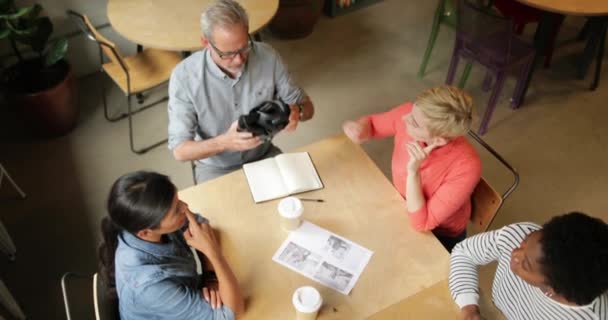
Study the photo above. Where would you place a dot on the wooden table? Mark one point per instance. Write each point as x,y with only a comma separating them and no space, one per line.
553,10
432,303
436,303
360,204
571,7
175,25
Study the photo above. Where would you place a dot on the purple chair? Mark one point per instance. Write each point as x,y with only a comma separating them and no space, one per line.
485,37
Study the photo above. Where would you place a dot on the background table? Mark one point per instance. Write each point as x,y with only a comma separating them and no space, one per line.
360,205
571,7
553,10
175,25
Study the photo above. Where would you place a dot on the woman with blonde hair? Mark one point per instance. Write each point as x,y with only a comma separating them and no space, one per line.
434,167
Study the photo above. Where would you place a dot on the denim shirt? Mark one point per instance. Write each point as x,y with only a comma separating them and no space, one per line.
159,281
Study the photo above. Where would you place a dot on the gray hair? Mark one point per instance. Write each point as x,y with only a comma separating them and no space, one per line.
222,13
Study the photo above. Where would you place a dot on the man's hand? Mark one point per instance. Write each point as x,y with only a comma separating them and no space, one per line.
417,154
357,131
470,312
294,118
238,141
201,237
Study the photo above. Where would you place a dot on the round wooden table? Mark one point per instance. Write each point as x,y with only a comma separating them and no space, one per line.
175,25
554,10
571,7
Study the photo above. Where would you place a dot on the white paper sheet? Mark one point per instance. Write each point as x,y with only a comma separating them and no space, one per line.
323,257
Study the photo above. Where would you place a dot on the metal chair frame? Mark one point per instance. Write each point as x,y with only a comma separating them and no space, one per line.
80,21
507,165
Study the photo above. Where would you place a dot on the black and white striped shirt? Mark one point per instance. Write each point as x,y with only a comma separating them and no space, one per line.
514,297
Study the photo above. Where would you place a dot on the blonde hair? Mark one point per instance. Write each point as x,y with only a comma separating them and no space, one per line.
449,110
222,13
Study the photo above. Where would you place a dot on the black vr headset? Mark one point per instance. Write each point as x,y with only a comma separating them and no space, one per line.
266,119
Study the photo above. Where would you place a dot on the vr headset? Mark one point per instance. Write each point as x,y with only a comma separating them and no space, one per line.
266,119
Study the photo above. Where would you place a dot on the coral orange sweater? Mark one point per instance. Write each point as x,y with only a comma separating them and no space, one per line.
448,175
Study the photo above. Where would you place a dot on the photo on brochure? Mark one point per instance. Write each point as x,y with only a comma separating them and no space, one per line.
337,247
300,258
333,276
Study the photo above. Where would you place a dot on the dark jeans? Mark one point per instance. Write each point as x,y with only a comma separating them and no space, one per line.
449,242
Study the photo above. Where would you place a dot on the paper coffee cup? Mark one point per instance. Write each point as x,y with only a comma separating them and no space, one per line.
290,210
307,302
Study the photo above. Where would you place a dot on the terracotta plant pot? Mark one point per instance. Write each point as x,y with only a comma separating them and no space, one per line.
296,19
51,110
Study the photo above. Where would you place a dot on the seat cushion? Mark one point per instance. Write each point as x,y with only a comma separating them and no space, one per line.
491,50
146,69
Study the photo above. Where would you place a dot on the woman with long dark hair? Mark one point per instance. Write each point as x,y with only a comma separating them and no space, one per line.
146,257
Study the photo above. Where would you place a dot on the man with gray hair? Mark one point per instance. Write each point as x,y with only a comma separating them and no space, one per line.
210,89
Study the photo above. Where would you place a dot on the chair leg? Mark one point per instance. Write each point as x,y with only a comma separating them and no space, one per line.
7,300
500,80
517,97
453,64
4,173
431,41
465,74
486,85
600,55
130,118
104,99
123,115
557,24
7,246
590,48
584,31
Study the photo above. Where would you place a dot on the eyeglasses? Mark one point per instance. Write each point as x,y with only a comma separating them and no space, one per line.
232,54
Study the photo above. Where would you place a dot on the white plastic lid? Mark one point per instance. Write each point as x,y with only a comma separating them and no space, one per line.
307,299
291,207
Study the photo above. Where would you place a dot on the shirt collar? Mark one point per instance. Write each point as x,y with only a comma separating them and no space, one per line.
150,247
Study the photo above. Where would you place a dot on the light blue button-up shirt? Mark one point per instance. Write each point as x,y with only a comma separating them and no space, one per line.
204,101
159,281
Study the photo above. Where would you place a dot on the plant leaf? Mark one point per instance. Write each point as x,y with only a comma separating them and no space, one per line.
38,39
22,33
35,12
56,52
22,12
4,33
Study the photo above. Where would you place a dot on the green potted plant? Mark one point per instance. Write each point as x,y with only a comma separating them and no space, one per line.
296,19
40,82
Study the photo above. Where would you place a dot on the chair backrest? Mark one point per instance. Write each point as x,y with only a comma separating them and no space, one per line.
485,202
106,303
108,47
483,32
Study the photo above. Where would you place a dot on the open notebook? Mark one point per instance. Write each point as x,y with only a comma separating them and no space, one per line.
283,175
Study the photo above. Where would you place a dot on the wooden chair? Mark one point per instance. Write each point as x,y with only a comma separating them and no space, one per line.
105,304
485,200
135,74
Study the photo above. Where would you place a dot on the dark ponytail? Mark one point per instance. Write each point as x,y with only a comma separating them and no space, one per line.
137,201
107,249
